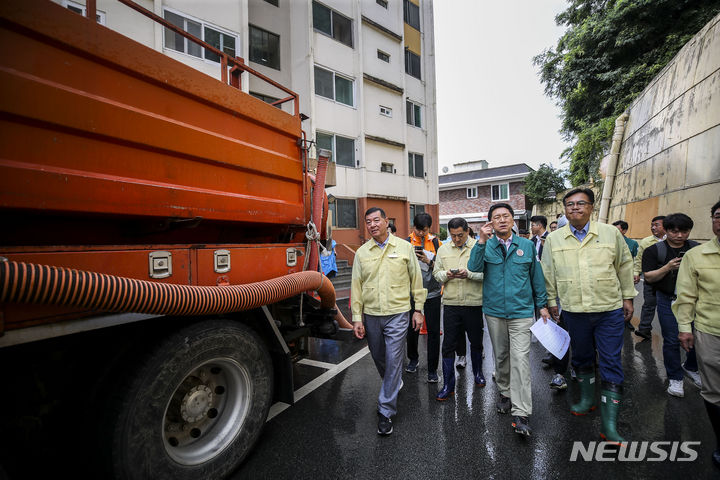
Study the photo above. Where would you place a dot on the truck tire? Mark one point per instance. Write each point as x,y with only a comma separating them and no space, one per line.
194,405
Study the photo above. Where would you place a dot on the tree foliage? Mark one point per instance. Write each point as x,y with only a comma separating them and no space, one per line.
609,53
540,182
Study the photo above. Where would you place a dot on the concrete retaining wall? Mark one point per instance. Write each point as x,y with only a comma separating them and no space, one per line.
670,156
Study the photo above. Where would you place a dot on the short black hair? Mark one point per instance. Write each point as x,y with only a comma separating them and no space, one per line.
678,221
589,193
392,228
458,222
714,208
422,220
554,221
375,209
659,217
500,205
542,219
623,224
522,231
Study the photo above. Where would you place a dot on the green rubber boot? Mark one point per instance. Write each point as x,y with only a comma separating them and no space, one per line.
586,380
610,397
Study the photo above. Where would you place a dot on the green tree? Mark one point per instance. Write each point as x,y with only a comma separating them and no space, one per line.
543,180
609,53
443,234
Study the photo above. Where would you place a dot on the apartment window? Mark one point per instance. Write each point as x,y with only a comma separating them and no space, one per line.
332,24
330,85
500,192
413,112
264,47
342,148
224,41
416,167
383,56
266,98
411,12
386,167
344,212
272,2
80,8
414,210
382,3
387,111
412,64
472,192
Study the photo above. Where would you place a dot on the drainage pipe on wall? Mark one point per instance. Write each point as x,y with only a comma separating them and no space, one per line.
617,138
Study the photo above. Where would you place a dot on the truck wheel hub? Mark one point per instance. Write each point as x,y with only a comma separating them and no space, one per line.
196,403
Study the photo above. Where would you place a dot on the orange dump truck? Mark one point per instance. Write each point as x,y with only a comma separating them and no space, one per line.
154,282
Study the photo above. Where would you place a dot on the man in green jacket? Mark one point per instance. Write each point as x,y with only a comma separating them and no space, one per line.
588,266
623,226
513,286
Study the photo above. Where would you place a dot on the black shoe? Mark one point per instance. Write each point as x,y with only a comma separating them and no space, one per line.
643,333
384,425
503,405
412,366
521,425
548,361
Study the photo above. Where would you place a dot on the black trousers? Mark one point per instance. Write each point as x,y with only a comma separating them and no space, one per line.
560,365
432,324
456,319
647,313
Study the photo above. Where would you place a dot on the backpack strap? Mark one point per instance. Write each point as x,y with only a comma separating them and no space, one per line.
662,252
436,244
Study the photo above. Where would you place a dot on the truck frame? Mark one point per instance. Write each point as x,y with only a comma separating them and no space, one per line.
158,254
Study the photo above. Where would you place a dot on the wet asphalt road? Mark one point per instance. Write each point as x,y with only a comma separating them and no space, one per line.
331,432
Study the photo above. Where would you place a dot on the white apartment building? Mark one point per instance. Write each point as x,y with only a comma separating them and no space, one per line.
365,74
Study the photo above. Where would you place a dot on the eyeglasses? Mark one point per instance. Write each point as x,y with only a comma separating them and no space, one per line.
581,204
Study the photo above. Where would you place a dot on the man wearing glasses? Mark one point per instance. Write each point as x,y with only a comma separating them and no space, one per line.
698,284
588,266
513,287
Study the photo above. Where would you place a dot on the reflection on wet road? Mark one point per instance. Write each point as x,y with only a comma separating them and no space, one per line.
331,432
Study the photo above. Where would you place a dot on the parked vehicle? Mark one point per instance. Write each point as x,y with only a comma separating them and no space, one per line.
156,281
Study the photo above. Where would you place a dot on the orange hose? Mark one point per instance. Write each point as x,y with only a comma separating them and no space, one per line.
31,283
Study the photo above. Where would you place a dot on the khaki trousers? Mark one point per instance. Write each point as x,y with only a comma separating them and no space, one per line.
510,339
707,348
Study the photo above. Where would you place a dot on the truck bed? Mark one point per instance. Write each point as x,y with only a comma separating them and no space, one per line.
94,123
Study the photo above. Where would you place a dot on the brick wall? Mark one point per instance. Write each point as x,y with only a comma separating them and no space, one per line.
455,202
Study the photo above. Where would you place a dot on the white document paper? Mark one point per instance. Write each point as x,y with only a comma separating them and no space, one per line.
552,337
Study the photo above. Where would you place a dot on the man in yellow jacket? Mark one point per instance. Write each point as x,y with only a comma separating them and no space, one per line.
588,266
385,272
697,287
462,304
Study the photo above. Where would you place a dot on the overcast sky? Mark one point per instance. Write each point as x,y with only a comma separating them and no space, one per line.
490,102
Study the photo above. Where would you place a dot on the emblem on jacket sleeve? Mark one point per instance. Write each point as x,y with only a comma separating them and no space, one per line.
520,253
